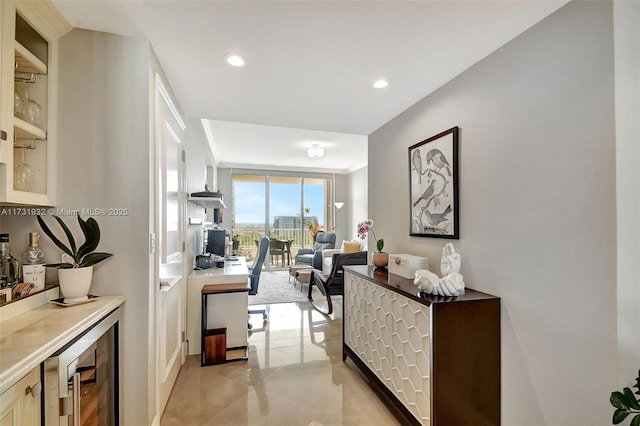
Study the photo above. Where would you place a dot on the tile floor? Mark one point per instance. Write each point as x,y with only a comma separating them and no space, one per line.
294,376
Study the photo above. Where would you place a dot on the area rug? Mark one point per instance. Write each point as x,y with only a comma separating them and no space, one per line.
277,287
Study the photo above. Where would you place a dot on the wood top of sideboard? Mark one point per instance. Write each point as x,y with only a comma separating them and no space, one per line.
405,286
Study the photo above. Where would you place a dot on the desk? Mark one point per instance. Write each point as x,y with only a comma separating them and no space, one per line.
223,309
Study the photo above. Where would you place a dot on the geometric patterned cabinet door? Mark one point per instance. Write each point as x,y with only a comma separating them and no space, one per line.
390,333
437,359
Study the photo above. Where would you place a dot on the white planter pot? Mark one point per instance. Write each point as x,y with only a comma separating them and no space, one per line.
75,283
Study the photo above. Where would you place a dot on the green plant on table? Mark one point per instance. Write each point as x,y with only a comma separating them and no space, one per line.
82,256
626,403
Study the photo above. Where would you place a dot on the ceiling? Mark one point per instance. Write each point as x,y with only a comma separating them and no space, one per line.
310,65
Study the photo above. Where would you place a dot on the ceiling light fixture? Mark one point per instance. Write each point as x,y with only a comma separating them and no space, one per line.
315,152
235,60
380,84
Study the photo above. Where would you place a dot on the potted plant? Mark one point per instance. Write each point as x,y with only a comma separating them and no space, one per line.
380,259
76,270
626,404
314,228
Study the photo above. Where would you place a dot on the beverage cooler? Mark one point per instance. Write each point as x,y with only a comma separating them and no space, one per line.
81,380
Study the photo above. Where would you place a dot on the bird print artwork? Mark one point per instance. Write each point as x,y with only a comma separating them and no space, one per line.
433,187
435,219
438,159
416,160
427,194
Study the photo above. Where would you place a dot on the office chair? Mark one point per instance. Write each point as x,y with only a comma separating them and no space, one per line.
254,274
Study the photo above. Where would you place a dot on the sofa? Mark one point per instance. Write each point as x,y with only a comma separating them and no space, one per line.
313,256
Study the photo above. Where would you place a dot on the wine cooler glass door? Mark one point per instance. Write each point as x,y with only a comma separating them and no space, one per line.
91,387
85,378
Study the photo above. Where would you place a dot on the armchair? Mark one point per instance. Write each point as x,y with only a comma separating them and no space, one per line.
333,283
313,256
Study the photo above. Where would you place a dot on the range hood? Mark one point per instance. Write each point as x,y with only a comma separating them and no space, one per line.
208,199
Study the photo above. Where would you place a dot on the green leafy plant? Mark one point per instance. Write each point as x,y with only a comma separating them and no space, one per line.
626,403
314,228
84,255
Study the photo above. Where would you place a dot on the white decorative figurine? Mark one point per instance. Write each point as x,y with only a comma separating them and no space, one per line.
451,283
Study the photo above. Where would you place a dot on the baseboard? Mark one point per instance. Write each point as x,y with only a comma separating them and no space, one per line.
156,421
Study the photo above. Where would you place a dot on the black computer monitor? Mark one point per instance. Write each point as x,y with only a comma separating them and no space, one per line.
215,241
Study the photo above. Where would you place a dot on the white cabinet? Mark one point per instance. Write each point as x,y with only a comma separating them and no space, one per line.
28,61
20,404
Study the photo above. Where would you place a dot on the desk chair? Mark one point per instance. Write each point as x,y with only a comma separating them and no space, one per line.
333,284
254,274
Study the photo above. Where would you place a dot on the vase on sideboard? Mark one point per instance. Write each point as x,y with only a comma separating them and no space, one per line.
380,259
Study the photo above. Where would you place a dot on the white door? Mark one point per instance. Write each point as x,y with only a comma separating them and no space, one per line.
170,257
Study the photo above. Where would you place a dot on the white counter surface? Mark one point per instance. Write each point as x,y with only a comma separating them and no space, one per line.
234,271
29,338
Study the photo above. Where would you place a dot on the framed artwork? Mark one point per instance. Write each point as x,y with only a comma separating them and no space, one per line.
433,186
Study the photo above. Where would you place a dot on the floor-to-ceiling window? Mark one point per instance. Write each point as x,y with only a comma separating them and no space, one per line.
283,207
250,207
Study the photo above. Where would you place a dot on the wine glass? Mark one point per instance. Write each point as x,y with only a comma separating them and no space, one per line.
18,104
22,174
32,110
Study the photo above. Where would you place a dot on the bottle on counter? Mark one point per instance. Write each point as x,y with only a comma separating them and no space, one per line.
33,263
9,265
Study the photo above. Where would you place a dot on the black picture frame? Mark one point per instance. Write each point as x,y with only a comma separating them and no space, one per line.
433,186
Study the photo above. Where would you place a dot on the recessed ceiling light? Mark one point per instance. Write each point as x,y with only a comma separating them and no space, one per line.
236,60
380,84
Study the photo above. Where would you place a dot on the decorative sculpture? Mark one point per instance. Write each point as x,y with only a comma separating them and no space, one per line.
451,283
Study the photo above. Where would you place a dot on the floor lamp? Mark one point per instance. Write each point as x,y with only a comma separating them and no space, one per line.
338,205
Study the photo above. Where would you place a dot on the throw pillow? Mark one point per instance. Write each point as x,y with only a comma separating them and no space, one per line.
351,247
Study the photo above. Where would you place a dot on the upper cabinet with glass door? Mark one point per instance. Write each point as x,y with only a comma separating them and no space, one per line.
28,93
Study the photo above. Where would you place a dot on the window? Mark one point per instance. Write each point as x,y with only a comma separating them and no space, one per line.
282,207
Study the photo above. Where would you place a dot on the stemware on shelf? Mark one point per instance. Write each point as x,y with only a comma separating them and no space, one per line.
32,110
18,104
22,174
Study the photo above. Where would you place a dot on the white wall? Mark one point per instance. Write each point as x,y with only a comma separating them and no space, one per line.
356,204
198,157
537,207
103,162
627,66
342,194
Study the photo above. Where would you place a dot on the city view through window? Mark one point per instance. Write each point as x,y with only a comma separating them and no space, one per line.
290,209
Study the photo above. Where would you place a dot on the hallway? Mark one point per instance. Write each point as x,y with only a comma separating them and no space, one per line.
294,376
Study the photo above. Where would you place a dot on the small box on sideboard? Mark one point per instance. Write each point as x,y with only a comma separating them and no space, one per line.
406,265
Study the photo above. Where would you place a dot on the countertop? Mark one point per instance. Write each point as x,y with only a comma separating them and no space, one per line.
29,338
234,271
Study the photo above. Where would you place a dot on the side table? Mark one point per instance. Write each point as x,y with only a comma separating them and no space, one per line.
293,272
303,276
